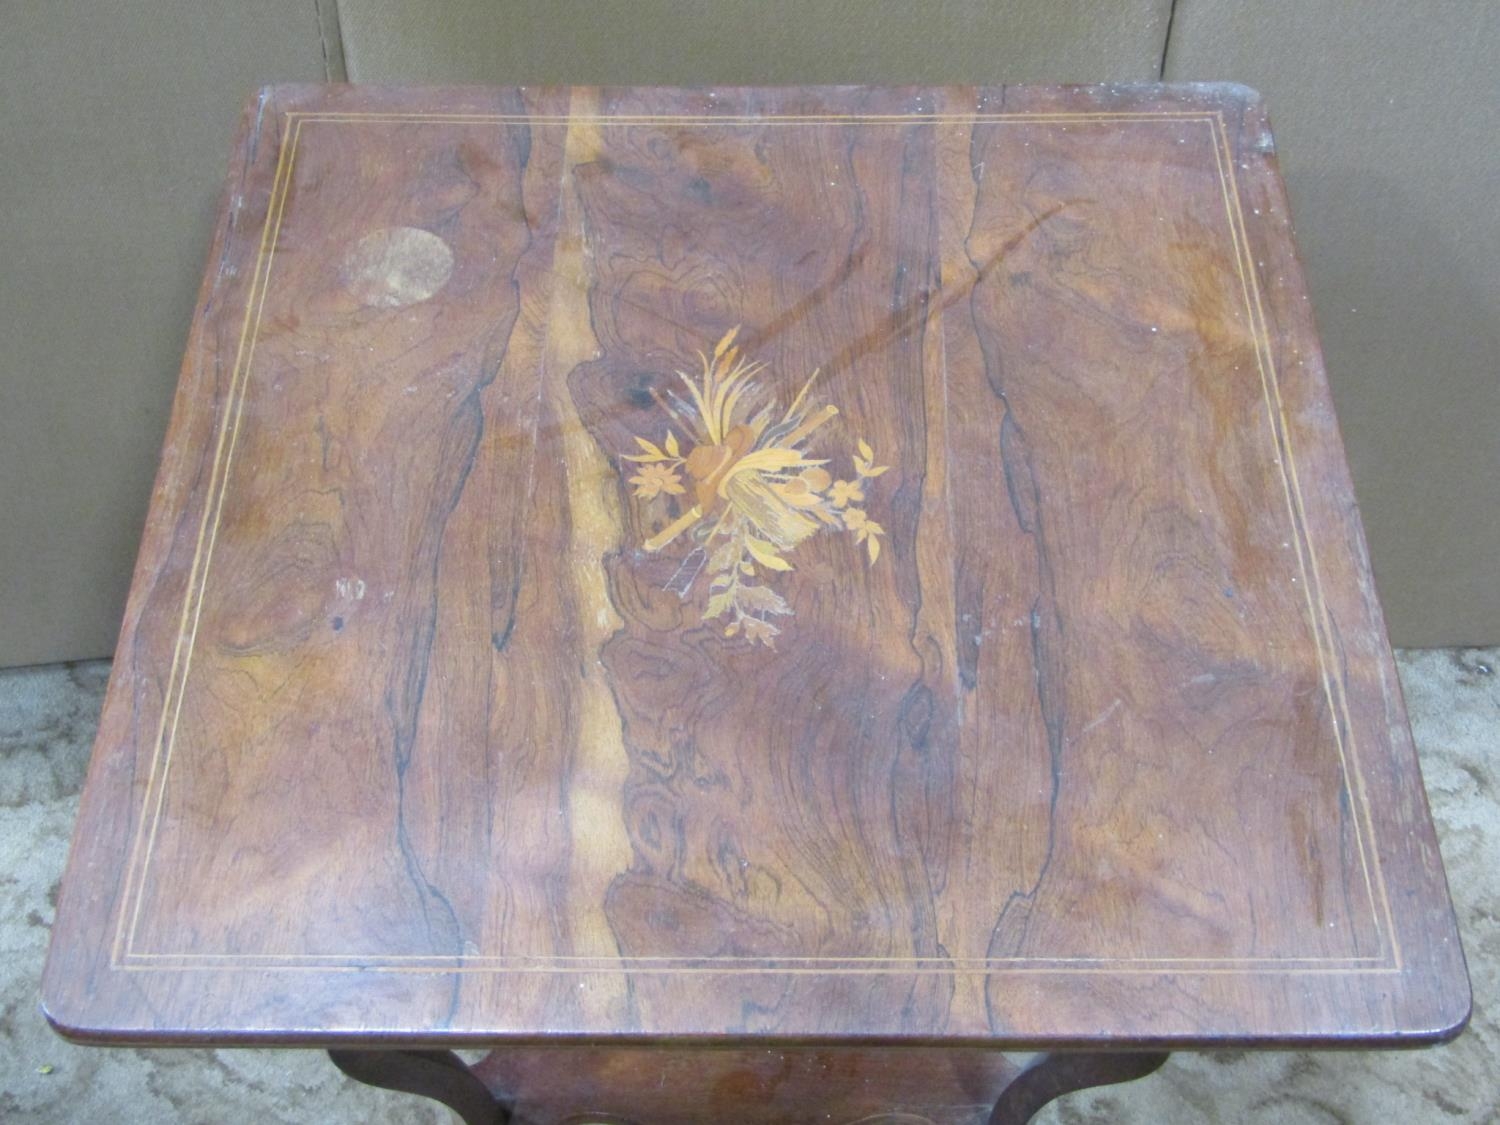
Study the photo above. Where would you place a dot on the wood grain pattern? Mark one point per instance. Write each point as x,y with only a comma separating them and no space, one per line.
423,729
579,1085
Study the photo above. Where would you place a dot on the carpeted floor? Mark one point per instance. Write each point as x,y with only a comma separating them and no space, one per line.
47,718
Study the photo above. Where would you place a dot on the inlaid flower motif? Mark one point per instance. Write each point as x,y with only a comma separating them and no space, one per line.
752,492
653,480
846,492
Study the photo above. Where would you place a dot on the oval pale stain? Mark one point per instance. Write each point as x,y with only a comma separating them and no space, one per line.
396,266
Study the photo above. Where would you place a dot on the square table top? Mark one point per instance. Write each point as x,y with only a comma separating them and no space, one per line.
803,564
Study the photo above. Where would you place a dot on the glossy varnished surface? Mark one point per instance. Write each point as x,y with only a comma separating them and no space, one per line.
1019,678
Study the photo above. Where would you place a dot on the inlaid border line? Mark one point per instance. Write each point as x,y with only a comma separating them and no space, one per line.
709,967
234,401
1317,607
744,119
671,959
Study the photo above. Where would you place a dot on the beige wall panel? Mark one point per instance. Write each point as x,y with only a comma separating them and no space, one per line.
115,124
1386,114
727,42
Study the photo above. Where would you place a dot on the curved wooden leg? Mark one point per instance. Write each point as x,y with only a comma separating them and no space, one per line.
439,1075
1052,1076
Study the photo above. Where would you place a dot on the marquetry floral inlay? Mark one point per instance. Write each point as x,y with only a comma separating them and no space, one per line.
741,481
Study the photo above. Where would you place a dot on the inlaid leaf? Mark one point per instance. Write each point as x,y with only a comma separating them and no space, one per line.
725,555
765,554
772,460
652,453
761,599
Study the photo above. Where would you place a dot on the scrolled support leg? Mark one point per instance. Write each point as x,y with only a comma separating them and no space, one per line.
1064,1072
439,1075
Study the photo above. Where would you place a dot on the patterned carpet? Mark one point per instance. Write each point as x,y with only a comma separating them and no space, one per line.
47,718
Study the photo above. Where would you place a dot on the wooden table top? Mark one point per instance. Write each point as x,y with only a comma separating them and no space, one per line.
800,564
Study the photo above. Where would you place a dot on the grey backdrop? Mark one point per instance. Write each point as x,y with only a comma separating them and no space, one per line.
115,123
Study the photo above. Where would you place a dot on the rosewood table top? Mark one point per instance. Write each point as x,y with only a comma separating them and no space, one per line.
732,565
